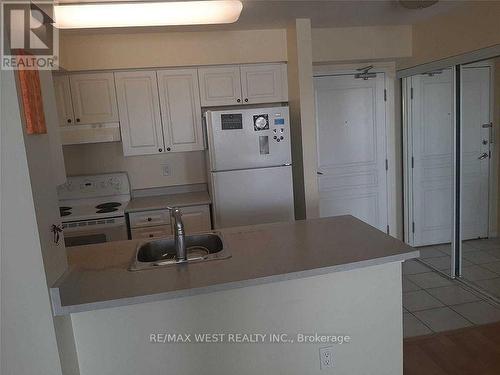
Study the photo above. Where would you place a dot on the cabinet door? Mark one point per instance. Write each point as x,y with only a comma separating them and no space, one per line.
63,100
180,109
196,218
264,83
220,85
94,98
139,108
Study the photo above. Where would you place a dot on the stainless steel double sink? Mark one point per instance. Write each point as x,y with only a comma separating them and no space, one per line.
201,247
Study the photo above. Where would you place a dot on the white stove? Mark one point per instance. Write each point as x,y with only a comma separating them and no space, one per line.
92,208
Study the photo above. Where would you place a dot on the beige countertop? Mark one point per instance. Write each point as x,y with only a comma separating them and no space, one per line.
98,276
159,202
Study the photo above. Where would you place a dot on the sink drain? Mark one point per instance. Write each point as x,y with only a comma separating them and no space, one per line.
197,252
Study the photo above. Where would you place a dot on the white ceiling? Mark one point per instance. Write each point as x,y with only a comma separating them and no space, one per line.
323,13
337,13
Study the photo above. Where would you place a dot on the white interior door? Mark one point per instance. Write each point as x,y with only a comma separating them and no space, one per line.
475,151
432,133
351,131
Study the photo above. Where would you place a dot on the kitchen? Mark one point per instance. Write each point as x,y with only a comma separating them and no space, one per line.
178,194
149,121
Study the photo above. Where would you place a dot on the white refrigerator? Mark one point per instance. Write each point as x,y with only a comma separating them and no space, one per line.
249,166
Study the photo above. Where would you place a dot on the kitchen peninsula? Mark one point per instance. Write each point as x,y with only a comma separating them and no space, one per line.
333,275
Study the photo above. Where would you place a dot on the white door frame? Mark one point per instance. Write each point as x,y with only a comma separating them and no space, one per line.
392,144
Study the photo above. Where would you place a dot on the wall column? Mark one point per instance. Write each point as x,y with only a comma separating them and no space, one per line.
302,118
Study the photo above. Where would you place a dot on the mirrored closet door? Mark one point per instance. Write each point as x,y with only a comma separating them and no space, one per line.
479,255
430,151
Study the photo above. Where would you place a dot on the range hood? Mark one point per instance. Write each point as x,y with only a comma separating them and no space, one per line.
93,133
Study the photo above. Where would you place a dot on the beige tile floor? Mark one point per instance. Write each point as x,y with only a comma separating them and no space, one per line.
433,303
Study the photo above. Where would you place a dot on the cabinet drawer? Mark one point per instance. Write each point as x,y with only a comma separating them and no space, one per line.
151,232
149,218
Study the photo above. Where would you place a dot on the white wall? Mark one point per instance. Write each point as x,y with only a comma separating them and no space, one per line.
112,50
28,338
364,304
144,171
46,171
302,119
361,43
470,27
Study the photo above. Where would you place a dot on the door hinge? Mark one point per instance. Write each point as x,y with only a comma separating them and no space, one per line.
413,227
411,93
385,95
386,164
412,162
387,229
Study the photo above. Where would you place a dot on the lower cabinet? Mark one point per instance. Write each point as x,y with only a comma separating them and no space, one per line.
157,224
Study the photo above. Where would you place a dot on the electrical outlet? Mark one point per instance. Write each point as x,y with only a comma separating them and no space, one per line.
326,357
165,168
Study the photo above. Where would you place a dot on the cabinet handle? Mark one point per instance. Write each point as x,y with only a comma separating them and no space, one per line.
160,150
168,148
149,219
246,99
238,100
77,120
69,121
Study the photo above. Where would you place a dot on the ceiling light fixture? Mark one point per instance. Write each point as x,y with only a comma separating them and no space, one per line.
97,15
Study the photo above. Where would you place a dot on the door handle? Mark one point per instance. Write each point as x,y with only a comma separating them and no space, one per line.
484,155
319,173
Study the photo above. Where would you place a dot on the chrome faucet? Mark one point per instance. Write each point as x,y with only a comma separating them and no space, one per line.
180,242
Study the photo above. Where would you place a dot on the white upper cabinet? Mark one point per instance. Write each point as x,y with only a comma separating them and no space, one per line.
220,85
94,98
243,84
63,100
264,83
180,109
139,109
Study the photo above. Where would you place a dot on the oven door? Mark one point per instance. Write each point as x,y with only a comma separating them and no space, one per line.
89,232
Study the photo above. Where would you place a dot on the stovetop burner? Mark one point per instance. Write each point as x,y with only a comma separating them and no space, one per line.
106,210
108,205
